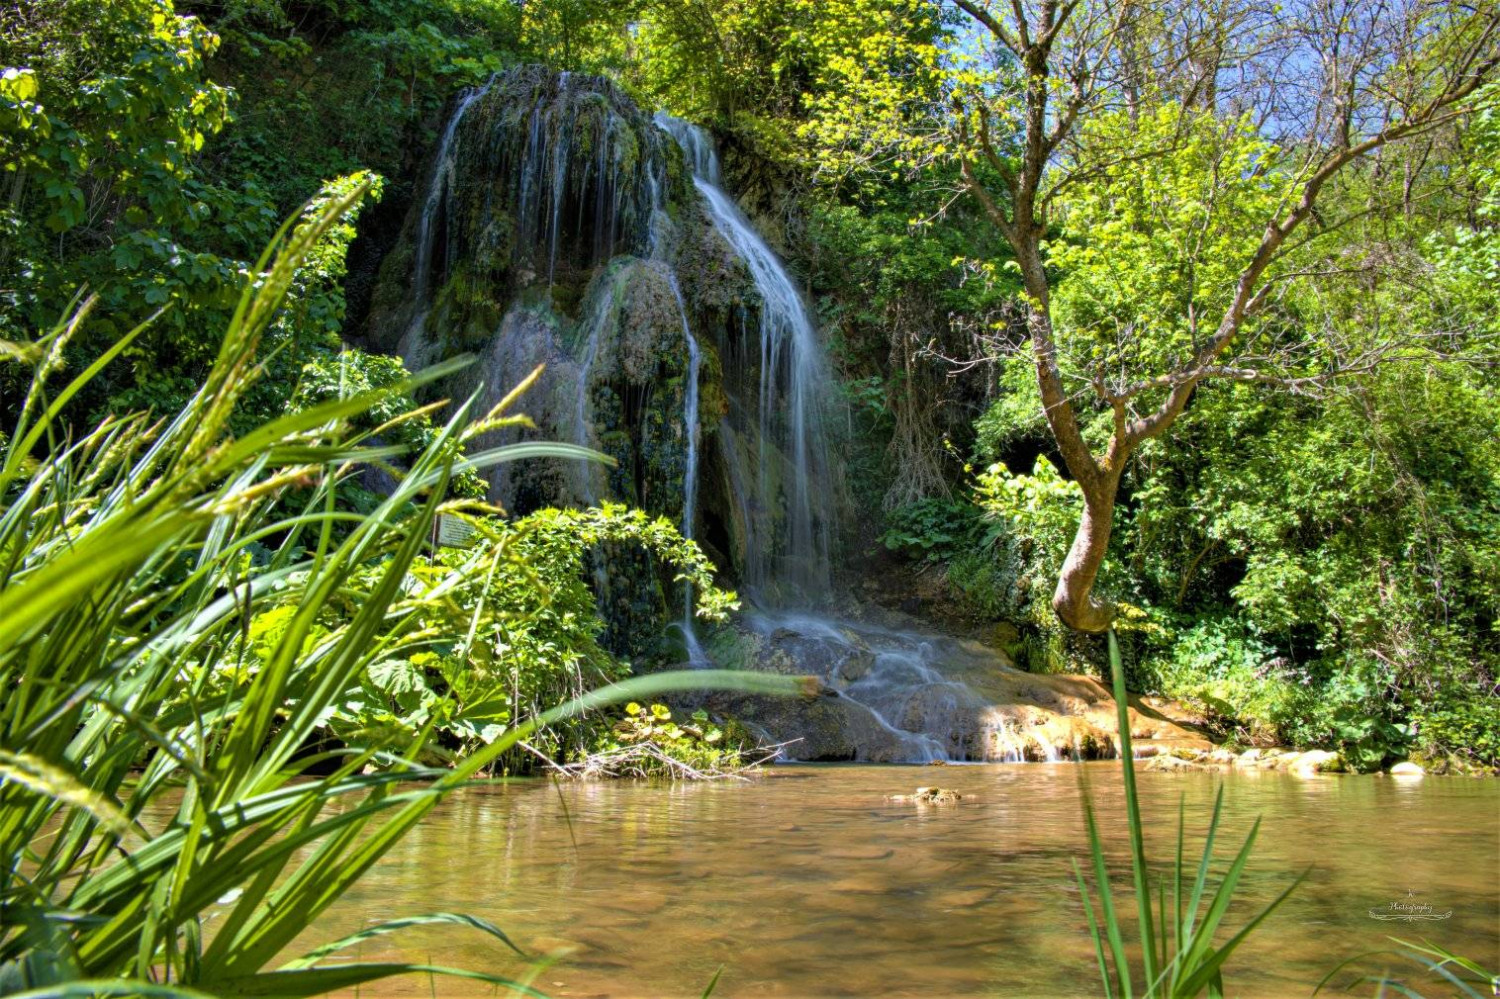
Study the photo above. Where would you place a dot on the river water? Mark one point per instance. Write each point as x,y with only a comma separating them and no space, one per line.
808,882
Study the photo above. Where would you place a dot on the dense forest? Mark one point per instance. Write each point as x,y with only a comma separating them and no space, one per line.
1308,557
1175,321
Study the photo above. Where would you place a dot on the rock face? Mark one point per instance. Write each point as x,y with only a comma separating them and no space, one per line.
894,693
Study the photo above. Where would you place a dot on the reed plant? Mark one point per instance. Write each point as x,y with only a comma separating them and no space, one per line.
1469,978
172,821
1178,958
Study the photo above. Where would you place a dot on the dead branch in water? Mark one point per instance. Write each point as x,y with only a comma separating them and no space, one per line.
645,759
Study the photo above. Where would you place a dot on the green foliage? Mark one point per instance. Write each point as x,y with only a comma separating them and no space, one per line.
1440,965
884,69
1234,677
329,88
1000,547
1458,728
1013,416
738,62
513,628
351,373
579,35
1152,245
105,105
126,574
150,153
1466,258
934,529
1032,521
1041,509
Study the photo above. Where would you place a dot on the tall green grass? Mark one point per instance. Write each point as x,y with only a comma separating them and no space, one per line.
1178,958
168,826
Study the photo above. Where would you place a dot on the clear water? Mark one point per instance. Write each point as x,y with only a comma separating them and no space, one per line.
808,882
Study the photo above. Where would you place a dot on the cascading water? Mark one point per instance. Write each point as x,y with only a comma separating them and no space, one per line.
442,181
696,144
901,695
696,655
794,386
597,319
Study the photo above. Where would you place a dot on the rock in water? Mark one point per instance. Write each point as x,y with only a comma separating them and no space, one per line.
1314,761
919,697
929,796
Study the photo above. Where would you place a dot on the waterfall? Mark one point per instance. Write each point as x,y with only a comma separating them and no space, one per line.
560,176
437,188
604,307
697,145
696,655
794,383
557,230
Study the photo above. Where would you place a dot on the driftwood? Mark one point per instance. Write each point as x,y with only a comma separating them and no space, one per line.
645,759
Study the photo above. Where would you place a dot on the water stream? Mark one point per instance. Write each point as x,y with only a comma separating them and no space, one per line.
696,655
444,164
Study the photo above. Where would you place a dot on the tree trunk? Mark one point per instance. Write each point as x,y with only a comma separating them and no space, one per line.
1074,599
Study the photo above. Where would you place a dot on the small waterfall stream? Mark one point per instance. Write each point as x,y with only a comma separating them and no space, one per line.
690,428
794,386
436,200
604,307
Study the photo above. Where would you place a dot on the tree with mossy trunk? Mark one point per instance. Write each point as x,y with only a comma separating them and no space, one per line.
1168,176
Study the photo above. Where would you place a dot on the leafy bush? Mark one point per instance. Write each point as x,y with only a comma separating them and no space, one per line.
934,530
352,373
516,630
1245,690
1000,548
1032,518
1459,726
